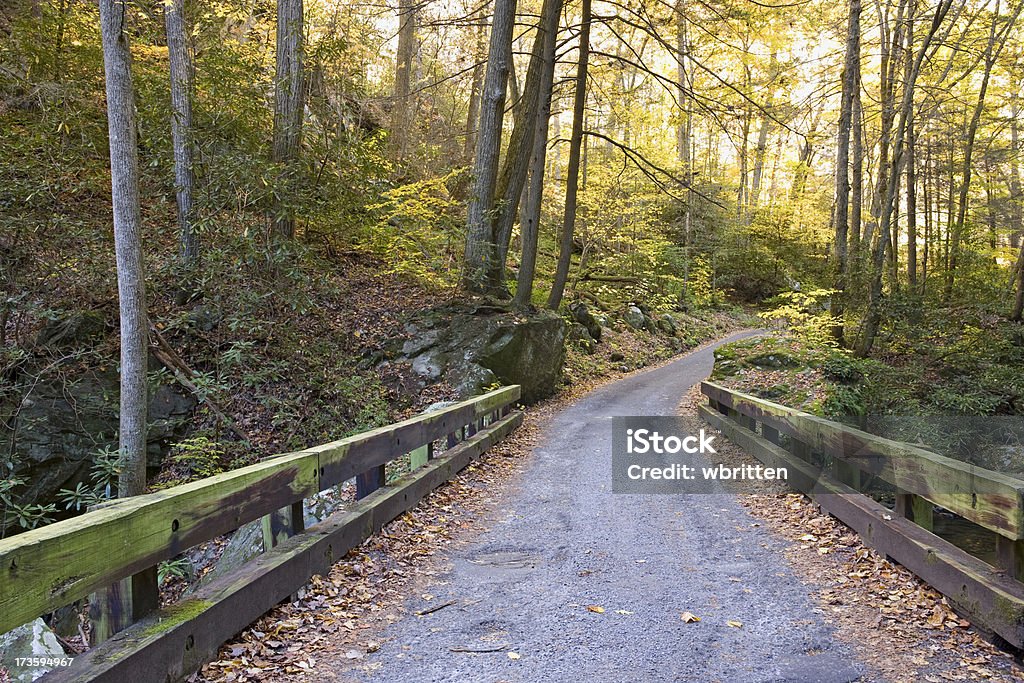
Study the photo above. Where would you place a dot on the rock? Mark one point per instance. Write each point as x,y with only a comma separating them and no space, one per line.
635,318
79,328
205,317
579,335
667,324
583,316
429,365
529,353
420,342
34,639
64,422
616,357
476,346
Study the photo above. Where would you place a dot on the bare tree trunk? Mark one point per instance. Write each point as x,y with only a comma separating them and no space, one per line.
573,173
512,179
683,129
289,95
401,120
180,58
131,284
851,68
911,209
530,215
991,54
481,250
857,186
874,315
472,118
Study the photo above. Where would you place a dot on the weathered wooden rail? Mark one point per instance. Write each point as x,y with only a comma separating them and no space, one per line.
121,544
993,596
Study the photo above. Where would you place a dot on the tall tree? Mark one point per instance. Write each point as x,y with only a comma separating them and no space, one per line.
530,215
512,179
131,285
993,47
874,314
481,250
180,58
401,120
851,70
289,96
565,239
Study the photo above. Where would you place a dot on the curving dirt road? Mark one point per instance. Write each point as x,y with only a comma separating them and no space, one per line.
520,592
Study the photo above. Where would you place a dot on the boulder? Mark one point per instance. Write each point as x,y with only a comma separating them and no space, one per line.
527,352
474,347
667,324
579,335
33,640
582,315
64,421
76,329
634,317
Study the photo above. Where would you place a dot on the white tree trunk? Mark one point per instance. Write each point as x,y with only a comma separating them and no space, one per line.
124,173
180,58
289,96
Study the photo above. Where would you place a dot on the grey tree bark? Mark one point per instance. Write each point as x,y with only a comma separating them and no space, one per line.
131,286
573,173
851,69
520,147
401,120
180,58
289,96
530,214
473,115
481,250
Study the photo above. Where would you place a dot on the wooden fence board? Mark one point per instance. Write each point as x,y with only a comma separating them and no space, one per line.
47,568
170,644
987,498
983,592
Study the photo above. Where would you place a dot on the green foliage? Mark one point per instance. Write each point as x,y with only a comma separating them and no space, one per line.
197,457
178,568
419,230
805,315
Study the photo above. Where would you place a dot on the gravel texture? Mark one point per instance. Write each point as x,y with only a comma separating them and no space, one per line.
571,582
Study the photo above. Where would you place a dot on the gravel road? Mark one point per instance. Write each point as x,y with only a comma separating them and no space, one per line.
564,542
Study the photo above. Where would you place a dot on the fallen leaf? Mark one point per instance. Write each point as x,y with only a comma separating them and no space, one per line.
689,617
734,623
513,655
595,608
623,611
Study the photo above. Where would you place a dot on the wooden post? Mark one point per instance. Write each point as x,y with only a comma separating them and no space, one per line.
1010,556
282,524
846,472
800,449
770,433
470,430
116,607
915,508
369,481
418,457
430,451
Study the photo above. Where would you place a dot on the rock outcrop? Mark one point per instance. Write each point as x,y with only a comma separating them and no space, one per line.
475,346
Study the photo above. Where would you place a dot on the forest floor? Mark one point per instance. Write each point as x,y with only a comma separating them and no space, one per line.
419,600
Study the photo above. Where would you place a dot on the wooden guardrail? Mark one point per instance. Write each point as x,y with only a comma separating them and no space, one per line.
47,568
784,437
